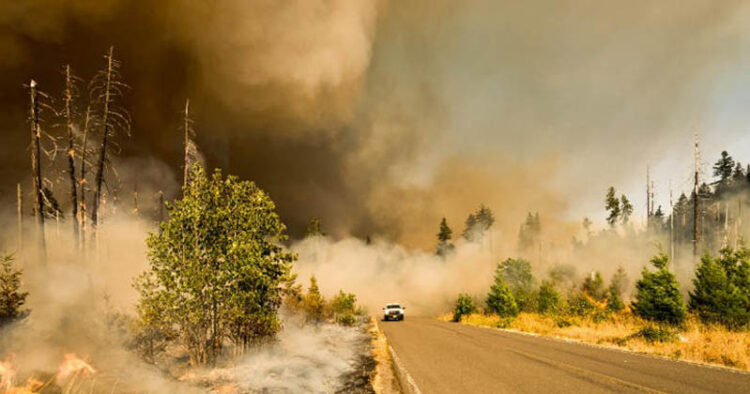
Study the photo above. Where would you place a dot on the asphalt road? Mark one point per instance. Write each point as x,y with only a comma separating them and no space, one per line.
452,358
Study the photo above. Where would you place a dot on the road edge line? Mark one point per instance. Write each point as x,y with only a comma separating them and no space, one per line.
407,383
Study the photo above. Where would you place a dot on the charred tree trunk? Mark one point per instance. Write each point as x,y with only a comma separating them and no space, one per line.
19,212
36,168
82,178
186,126
71,154
99,179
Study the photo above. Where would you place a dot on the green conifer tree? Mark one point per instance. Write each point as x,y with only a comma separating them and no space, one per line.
657,295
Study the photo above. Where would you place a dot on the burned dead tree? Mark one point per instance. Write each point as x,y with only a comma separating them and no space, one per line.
36,168
19,213
106,89
82,177
69,112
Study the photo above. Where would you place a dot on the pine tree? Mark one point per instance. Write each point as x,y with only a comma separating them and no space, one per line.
444,236
721,291
500,299
614,301
530,232
314,302
464,306
548,299
724,166
485,218
587,226
612,205
626,209
11,296
657,295
739,173
470,228
619,281
313,229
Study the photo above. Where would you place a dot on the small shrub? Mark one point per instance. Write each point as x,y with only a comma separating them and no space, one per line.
344,308
653,334
464,306
580,305
601,315
11,296
314,303
563,322
614,302
500,300
593,285
548,299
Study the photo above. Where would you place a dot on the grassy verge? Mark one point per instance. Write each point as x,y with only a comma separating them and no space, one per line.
384,379
694,342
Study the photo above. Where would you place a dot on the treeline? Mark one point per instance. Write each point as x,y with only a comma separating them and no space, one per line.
720,295
716,221
342,308
475,227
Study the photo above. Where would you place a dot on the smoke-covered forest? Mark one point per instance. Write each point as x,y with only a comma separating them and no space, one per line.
223,196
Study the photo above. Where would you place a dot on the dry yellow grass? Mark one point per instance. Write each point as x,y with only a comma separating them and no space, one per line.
696,342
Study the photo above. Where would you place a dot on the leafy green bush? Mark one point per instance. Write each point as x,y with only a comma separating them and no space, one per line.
517,274
653,334
344,308
216,267
658,294
11,296
548,299
722,289
464,306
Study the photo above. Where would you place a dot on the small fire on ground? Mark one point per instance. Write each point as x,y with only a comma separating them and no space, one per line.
72,369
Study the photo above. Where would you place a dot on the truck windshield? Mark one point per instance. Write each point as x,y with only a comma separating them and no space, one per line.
393,306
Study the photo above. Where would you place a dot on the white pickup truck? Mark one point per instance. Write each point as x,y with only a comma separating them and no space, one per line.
393,312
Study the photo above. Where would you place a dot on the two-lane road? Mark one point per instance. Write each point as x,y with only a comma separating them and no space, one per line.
454,358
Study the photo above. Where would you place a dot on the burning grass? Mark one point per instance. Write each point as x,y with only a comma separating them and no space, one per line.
695,342
74,375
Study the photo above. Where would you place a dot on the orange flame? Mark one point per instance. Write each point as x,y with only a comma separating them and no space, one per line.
6,375
32,386
72,365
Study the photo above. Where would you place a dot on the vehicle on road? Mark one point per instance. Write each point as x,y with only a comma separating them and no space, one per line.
393,312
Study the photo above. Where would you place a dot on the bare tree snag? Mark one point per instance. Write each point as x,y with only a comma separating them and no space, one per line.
106,88
36,169
99,179
19,212
82,178
71,152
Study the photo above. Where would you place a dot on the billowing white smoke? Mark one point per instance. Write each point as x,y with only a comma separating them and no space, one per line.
384,272
305,359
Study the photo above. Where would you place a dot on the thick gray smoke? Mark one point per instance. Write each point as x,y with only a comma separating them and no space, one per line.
335,107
